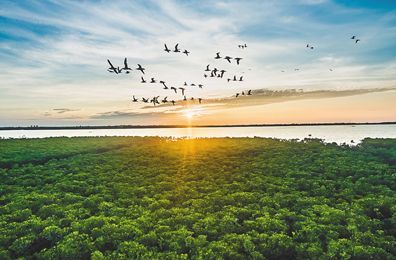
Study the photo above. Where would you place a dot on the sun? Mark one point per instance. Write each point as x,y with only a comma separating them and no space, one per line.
189,115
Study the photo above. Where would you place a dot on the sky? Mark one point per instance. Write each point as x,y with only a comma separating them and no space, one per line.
53,55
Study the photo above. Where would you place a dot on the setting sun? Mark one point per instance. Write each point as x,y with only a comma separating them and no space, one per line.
189,115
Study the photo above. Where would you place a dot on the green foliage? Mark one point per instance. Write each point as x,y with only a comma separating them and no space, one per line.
222,198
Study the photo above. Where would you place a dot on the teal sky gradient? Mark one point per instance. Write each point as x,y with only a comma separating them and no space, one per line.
53,56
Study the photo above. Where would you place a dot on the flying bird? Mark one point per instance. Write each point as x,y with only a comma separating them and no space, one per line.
143,80
240,79
126,65
182,89
204,75
249,92
200,85
134,99
238,59
174,89
173,102
112,67
307,45
166,49
207,68
228,58
145,100
163,83
119,70
199,99
164,100
234,78
140,68
353,37
186,52
222,73
357,40
152,80
237,94
176,49
218,55
192,85
185,98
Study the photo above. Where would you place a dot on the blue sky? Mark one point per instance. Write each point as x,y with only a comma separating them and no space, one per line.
54,59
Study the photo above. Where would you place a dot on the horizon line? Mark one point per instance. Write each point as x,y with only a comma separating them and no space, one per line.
37,127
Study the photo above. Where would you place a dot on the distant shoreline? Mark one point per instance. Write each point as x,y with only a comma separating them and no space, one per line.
176,126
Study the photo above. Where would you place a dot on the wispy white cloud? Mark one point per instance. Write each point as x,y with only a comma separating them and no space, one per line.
56,51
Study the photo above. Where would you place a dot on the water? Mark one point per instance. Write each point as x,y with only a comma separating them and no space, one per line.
349,134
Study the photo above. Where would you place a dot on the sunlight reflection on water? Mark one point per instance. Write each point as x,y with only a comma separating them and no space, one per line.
349,134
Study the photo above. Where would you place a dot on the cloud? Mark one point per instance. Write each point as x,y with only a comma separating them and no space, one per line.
64,110
258,97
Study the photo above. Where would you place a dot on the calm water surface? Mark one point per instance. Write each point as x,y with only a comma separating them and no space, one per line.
349,134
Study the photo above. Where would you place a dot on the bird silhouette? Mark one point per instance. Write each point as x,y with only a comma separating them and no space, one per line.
164,100
243,93
182,89
186,52
237,94
199,99
126,65
192,85
249,92
134,99
215,70
234,79
143,80
353,37
152,80
173,102
192,99
238,59
228,80
307,45
163,83
174,89
166,49
218,55
228,58
207,67
145,100
357,40
222,73
176,49
112,67
204,75
140,68
200,85
185,98
119,70
240,79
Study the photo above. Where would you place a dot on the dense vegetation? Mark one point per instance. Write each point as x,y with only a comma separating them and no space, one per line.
155,198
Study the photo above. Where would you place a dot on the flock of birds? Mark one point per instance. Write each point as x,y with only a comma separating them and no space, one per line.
213,73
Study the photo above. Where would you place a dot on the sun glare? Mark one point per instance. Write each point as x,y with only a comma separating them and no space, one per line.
189,115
